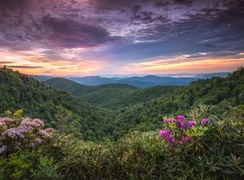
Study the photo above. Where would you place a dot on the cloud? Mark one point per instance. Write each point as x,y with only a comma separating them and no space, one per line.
26,67
14,4
183,2
71,34
162,4
6,62
120,31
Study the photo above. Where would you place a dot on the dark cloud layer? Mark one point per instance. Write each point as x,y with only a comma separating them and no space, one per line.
14,4
71,34
6,62
26,67
128,30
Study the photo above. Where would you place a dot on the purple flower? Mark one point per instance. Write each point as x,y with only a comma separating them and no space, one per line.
164,132
31,145
204,121
169,138
191,123
185,138
168,120
38,140
182,125
42,132
180,118
2,149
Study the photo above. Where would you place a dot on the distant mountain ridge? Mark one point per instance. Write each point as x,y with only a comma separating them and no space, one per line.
139,81
111,96
127,107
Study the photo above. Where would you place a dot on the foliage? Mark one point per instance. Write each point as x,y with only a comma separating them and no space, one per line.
23,148
17,132
222,93
111,96
18,91
136,109
215,153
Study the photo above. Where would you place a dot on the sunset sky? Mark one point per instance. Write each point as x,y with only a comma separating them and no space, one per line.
117,37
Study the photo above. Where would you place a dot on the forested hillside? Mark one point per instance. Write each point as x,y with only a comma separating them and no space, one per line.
137,109
59,109
77,89
110,96
221,93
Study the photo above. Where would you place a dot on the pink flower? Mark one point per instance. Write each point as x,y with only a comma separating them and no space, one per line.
2,149
164,132
42,132
180,118
182,125
38,140
168,120
185,138
191,123
204,121
169,138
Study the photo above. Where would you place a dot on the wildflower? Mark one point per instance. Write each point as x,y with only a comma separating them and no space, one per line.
2,149
204,121
169,138
38,140
164,132
180,118
191,123
49,129
168,120
42,132
31,145
185,138
182,125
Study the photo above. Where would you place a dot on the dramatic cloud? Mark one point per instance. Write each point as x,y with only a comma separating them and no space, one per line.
6,62
70,34
108,36
26,67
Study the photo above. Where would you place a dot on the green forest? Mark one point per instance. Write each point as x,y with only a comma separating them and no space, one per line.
59,129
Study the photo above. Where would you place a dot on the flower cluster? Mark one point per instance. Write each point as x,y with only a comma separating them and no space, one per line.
178,129
22,132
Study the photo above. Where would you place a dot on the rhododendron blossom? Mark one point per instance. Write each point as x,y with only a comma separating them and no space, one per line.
22,132
191,123
204,121
185,138
180,130
164,132
180,118
182,125
168,120
169,138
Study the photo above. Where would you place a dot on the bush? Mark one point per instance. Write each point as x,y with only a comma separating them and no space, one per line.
202,146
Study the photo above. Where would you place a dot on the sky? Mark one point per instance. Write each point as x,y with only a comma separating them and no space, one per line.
118,37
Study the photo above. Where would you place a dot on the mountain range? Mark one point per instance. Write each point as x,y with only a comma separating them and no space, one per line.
139,81
112,110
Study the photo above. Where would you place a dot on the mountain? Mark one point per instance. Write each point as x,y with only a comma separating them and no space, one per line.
220,92
41,78
140,82
137,109
110,96
92,80
57,108
146,81
151,80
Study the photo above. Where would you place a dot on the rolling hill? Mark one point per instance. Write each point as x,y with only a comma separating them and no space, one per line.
110,96
221,93
138,109
140,82
57,108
